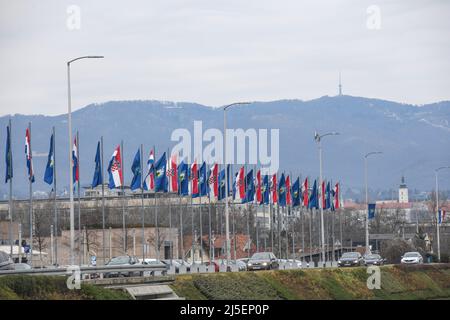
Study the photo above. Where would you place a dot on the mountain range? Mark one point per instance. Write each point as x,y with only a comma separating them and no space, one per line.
414,139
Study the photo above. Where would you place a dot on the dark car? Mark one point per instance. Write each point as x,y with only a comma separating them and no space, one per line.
122,261
5,261
373,259
262,261
351,259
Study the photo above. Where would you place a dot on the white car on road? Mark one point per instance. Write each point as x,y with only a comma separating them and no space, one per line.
412,258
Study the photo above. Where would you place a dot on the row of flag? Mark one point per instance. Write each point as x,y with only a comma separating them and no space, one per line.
193,180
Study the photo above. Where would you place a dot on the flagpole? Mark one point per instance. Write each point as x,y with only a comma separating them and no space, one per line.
201,223
181,251
79,200
10,176
31,197
169,160
103,202
55,226
156,208
142,202
211,249
124,228
192,224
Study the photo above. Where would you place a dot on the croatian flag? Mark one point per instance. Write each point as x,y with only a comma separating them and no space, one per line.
172,173
213,181
274,189
29,156
115,170
240,183
149,181
75,164
259,198
305,193
288,191
194,180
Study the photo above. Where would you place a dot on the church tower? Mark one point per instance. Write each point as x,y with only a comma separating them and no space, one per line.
403,192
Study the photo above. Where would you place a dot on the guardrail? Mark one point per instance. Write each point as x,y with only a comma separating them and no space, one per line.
87,270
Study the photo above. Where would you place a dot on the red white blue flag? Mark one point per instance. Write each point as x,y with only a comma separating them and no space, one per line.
29,156
149,181
75,164
115,170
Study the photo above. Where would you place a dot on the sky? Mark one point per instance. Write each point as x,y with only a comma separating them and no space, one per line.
215,52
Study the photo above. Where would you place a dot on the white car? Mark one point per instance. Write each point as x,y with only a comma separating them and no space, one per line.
412,258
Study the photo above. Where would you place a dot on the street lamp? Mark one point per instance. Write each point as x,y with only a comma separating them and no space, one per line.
227,220
318,139
437,211
72,219
367,197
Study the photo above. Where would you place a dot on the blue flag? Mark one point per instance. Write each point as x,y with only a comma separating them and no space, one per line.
203,180
265,189
8,158
161,181
249,188
314,197
371,210
282,191
137,172
221,195
296,193
49,169
328,196
183,179
98,177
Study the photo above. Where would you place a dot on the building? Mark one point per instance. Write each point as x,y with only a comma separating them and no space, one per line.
403,192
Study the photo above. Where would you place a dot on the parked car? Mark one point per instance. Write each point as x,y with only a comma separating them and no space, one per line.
122,261
412,258
351,259
262,261
5,261
154,262
21,266
373,259
242,266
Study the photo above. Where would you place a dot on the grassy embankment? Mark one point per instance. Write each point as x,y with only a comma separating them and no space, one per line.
397,282
52,288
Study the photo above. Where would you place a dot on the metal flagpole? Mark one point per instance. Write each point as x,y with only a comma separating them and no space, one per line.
333,257
55,226
169,161
302,217
124,228
20,242
264,219
156,209
181,251
79,199
211,249
10,175
52,252
201,225
103,204
142,202
310,235
31,198
192,225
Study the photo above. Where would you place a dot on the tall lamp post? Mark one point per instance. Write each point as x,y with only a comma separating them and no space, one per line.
437,212
69,104
318,139
367,197
227,219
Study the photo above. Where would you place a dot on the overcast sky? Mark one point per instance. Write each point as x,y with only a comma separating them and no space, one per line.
220,51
